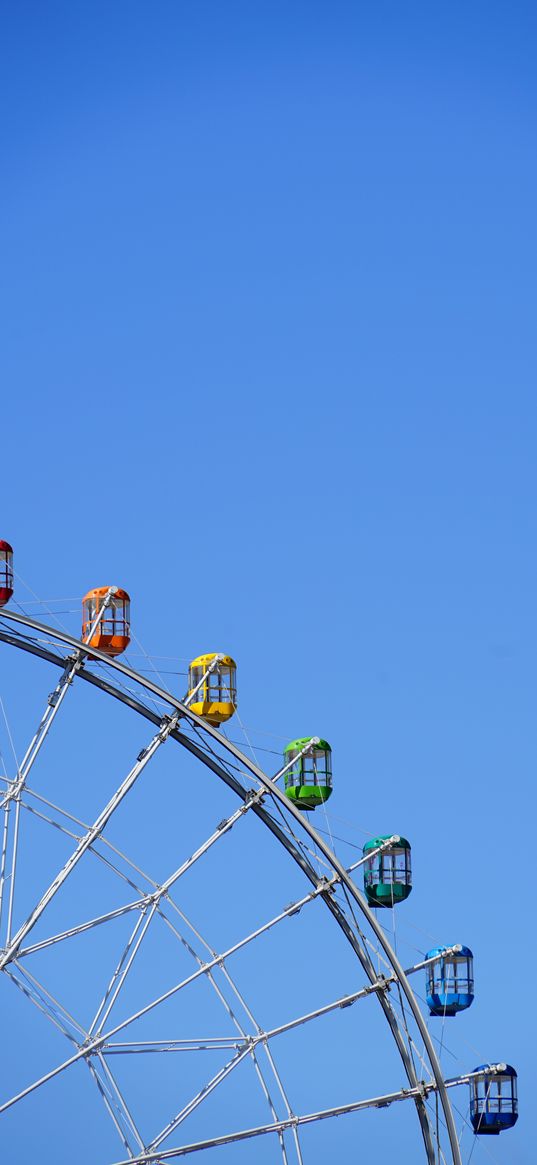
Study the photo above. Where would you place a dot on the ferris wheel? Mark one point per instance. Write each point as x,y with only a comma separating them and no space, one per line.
159,985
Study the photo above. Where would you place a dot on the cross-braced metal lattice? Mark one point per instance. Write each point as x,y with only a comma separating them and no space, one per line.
152,903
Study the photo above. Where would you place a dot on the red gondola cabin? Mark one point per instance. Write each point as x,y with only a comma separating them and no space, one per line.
6,572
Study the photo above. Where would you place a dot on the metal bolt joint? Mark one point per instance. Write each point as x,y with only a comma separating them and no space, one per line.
315,740
381,984
92,1045
253,795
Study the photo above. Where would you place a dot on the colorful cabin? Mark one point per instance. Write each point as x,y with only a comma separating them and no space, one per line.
308,780
450,980
216,697
388,874
493,1099
6,572
112,633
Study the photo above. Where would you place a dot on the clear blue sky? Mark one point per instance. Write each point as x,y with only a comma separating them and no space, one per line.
268,361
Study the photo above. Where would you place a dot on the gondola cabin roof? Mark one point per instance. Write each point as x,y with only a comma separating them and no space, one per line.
100,592
462,952
506,1069
321,746
378,841
205,660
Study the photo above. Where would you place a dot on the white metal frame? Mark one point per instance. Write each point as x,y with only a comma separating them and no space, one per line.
97,1045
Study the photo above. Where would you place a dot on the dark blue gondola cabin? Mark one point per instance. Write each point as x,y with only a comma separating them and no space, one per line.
450,980
493,1100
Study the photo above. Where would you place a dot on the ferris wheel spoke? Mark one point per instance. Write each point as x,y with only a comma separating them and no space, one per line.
271,1063
265,1044
336,1005
89,1050
100,841
124,965
104,841
285,1099
252,1042
79,1055
347,919
261,1037
73,664
224,827
219,959
324,887
247,1043
84,1051
252,1046
245,1037
3,857
54,703
200,1096
37,1002
249,1048
203,1044
52,1003
114,1113
424,1089
382,984
330,887
167,726
119,1101
12,876
141,902
246,1047
82,927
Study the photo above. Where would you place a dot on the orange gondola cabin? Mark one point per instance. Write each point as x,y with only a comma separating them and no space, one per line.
6,572
112,631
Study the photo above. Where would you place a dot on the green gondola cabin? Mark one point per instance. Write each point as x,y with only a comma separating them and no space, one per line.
387,873
308,780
